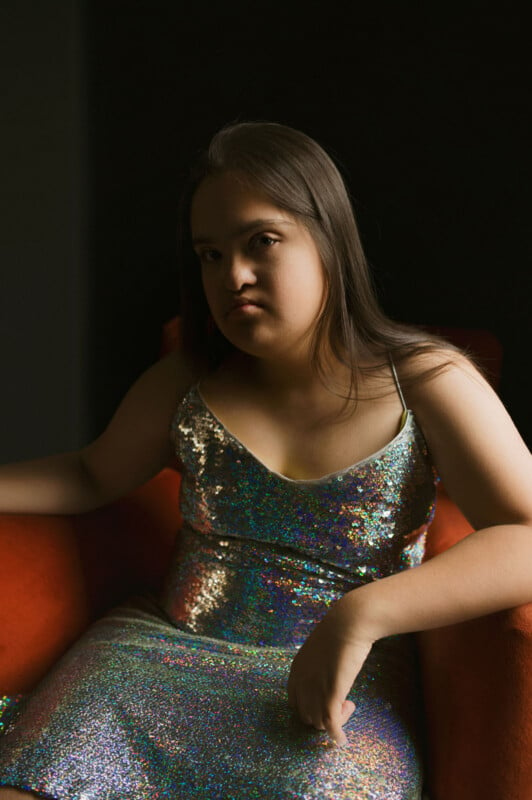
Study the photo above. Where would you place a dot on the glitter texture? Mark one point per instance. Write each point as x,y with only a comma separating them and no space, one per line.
185,696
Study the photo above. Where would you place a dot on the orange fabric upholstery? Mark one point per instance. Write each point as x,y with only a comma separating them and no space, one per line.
43,603
61,572
477,675
478,694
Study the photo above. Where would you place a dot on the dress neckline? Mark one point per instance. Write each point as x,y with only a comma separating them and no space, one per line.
406,425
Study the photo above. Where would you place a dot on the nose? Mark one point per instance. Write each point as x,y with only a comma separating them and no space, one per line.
239,272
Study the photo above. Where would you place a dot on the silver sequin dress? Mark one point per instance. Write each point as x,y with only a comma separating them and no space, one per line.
185,697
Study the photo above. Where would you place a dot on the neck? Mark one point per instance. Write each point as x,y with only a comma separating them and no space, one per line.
290,376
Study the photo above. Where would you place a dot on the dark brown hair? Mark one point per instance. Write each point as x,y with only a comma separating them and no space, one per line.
297,175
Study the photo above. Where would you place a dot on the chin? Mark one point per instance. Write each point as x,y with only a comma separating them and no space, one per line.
250,345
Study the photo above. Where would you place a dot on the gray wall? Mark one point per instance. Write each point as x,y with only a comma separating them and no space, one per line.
42,229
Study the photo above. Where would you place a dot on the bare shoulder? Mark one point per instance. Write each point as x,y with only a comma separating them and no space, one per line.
169,378
446,390
136,443
424,372
483,461
152,400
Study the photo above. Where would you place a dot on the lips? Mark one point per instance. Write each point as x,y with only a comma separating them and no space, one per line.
243,303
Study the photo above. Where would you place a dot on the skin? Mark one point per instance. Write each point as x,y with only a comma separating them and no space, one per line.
250,249
479,454
13,794
487,470
268,395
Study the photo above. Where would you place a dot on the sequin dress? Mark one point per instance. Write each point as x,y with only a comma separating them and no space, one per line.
185,697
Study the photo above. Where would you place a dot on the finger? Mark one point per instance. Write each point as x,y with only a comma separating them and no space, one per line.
311,717
291,688
308,720
337,733
308,712
347,710
336,719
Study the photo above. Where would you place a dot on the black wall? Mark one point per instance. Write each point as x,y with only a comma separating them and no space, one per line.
44,392
426,109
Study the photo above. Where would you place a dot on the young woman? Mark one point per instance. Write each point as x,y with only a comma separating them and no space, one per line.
310,430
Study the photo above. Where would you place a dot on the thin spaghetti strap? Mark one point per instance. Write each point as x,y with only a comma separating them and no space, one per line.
399,390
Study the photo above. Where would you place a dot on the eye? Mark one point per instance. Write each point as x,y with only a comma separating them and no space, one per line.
264,240
209,256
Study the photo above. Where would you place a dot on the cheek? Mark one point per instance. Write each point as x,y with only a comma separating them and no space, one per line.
209,292
208,283
310,285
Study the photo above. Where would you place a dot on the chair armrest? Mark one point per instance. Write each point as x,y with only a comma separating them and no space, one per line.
43,605
478,693
59,573
478,701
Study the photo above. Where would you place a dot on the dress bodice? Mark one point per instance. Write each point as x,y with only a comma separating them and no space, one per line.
262,556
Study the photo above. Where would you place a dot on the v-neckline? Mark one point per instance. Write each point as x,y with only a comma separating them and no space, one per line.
406,423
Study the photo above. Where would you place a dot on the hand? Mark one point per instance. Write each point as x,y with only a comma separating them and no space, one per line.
323,672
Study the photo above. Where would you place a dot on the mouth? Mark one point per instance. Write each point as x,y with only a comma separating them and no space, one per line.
242,306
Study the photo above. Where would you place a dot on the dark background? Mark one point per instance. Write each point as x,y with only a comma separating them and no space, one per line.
426,108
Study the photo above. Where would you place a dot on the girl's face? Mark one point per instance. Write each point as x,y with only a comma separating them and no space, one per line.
261,270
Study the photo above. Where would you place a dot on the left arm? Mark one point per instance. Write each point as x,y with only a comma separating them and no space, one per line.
487,470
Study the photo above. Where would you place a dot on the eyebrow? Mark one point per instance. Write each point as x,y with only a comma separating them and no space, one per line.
245,228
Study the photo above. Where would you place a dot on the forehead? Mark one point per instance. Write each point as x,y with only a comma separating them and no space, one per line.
225,202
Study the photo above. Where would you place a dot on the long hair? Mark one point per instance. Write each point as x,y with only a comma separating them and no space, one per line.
298,176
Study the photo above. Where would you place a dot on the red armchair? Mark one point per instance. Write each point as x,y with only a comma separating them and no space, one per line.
61,572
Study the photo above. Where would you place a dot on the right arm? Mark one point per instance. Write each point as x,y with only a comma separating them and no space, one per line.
133,448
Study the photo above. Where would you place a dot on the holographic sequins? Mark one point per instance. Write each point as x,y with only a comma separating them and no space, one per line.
8,706
186,697
262,556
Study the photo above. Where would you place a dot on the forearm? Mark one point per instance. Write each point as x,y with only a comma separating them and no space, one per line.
488,571
59,484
